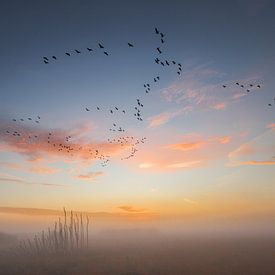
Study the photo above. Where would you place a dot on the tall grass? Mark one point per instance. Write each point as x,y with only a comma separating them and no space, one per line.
69,233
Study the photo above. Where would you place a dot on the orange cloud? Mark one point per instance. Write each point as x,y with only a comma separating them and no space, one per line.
271,126
225,139
146,165
219,106
257,162
258,151
128,208
187,164
92,176
187,146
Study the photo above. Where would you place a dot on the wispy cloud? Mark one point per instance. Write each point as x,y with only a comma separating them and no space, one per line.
7,178
131,209
187,146
92,176
187,164
258,151
190,201
165,117
202,88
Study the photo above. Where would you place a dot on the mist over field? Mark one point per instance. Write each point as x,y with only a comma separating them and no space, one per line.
134,246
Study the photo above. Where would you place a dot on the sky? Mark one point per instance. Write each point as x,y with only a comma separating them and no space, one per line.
209,150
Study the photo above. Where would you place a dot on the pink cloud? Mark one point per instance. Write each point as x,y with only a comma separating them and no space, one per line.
37,145
43,170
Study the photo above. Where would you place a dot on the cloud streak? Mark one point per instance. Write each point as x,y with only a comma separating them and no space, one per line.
7,178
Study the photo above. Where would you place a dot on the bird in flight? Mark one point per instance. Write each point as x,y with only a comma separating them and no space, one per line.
130,45
158,49
54,57
68,54
77,51
157,31
87,109
100,46
89,49
106,53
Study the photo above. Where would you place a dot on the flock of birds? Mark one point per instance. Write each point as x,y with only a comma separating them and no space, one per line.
66,145
248,88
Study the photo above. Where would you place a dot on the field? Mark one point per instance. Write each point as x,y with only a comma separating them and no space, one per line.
138,252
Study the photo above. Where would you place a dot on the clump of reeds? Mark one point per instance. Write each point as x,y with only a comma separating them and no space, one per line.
67,235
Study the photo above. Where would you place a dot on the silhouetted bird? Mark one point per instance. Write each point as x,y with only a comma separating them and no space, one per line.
174,62
224,86
46,62
162,35
162,63
242,86
111,111
167,63
237,83
158,49
106,53
123,111
130,45
269,104
248,90
38,117
77,51
251,85
29,118
162,41
68,54
258,86
46,58
97,108
89,49
100,46
157,60
87,109
14,119
178,73
157,31
179,64
158,77
54,57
